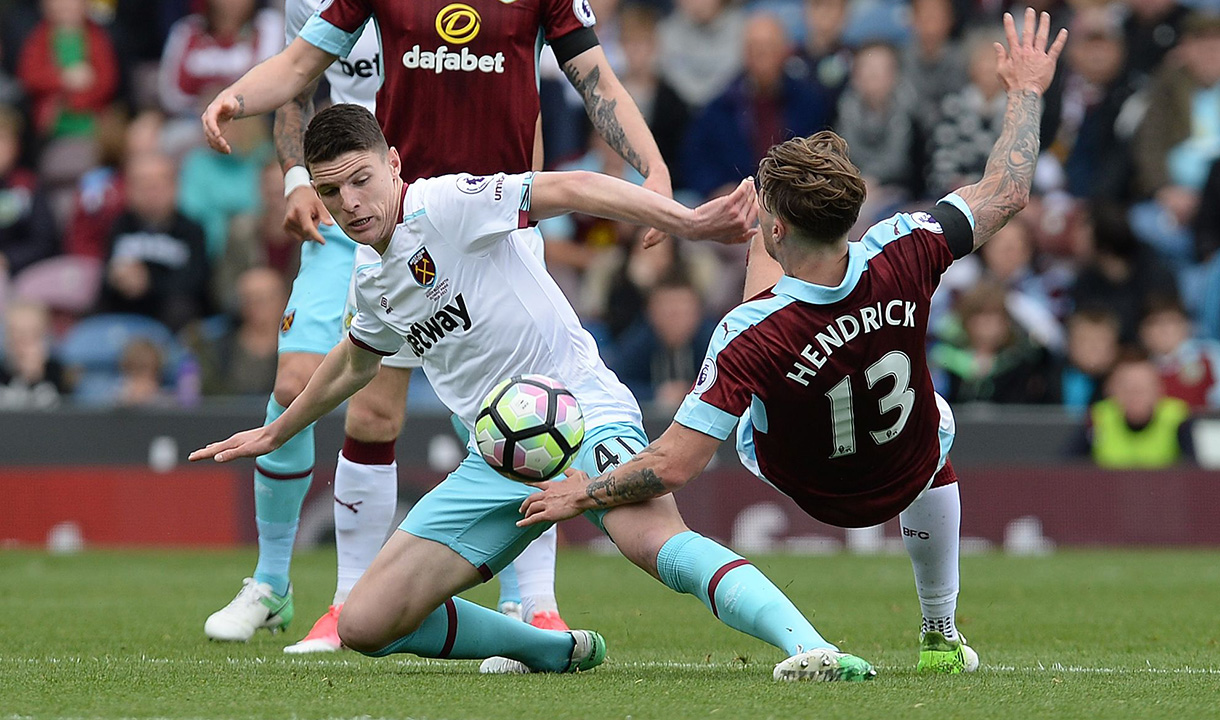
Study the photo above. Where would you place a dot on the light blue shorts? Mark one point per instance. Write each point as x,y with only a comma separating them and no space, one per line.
313,318
475,510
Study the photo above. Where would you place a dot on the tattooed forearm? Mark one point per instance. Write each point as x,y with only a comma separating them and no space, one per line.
629,487
241,106
290,122
1004,189
604,115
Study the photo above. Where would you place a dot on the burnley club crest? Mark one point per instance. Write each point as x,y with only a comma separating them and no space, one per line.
422,268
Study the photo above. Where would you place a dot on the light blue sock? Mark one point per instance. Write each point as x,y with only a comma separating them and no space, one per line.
509,592
736,592
281,479
461,630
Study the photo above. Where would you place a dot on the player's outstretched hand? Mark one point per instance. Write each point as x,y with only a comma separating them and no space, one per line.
250,443
1028,64
216,118
305,210
728,219
559,499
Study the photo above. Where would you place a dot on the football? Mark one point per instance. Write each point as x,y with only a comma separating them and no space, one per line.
529,428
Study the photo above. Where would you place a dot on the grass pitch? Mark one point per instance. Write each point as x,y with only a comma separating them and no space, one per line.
1075,635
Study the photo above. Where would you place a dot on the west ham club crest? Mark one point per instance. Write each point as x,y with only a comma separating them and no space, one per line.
422,268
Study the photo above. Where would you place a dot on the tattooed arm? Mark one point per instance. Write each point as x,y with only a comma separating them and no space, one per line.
304,209
673,460
264,88
1026,70
290,121
616,118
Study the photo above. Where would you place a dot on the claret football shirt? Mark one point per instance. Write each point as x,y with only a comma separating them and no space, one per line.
831,385
460,85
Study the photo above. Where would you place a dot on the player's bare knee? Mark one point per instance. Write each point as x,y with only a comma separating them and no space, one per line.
287,389
371,422
291,376
360,632
641,531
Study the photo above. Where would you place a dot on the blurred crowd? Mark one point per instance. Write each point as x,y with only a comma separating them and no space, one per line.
138,267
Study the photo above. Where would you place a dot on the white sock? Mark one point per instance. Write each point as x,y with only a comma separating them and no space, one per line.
930,531
366,497
536,576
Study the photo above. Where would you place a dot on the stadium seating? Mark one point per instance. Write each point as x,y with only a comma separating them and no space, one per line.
94,346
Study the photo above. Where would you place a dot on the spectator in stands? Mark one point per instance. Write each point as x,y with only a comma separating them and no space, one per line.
1207,219
99,198
575,241
933,62
1189,368
216,188
824,60
208,51
876,117
1206,299
700,48
11,92
30,379
659,356
1092,350
1137,426
139,33
69,70
1179,139
764,106
1092,148
256,239
617,284
27,228
1008,261
141,368
1120,272
659,103
157,265
1153,28
968,121
242,360
992,359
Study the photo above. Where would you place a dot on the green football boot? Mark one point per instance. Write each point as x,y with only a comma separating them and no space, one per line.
949,657
824,665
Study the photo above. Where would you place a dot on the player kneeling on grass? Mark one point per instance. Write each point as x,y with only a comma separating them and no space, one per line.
822,372
477,306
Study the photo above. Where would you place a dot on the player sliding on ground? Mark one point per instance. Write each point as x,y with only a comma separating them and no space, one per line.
457,287
823,373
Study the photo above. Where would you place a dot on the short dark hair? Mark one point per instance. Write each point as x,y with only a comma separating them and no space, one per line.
1094,314
811,183
1159,303
340,129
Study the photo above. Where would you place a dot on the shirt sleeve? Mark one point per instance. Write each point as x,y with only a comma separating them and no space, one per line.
560,17
472,212
296,14
722,390
368,332
336,27
927,242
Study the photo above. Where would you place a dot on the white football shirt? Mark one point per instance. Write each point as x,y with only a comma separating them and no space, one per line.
461,290
352,79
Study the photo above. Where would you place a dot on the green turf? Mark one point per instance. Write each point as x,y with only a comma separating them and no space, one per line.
1075,635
